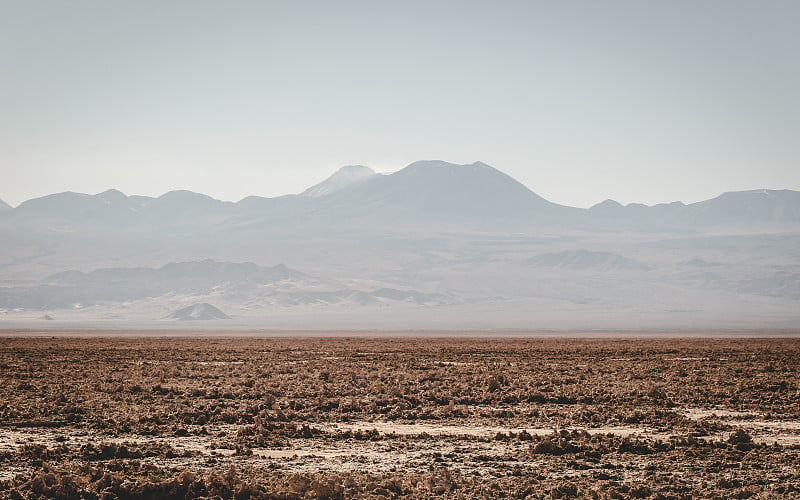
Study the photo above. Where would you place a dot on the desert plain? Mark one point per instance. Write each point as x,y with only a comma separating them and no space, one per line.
390,416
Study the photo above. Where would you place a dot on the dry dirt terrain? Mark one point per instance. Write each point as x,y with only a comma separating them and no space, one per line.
385,418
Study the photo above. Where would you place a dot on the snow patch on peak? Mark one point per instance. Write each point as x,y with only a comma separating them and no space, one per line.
354,172
342,178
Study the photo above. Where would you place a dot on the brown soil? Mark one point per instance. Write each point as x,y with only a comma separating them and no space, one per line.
370,417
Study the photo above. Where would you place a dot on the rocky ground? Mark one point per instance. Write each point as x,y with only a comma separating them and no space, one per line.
372,418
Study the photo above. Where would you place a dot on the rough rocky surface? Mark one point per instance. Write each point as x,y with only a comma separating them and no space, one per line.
386,418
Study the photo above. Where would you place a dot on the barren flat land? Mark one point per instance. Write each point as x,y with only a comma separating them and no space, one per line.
115,416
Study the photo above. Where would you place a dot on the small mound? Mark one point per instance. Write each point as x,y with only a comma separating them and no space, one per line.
203,311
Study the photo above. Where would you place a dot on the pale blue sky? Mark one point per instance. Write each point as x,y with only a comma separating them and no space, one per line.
581,101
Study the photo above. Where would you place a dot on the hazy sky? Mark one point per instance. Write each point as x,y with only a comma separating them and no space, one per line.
639,101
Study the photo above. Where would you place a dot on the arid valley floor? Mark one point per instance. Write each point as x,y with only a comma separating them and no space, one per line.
391,417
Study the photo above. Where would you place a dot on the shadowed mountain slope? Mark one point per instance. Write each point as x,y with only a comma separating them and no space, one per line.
68,288
180,276
579,260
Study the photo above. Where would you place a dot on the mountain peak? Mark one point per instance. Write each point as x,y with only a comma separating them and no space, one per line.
430,164
451,170
184,194
112,195
607,206
342,178
183,199
440,191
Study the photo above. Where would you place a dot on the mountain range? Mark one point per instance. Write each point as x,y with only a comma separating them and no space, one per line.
425,194
434,245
